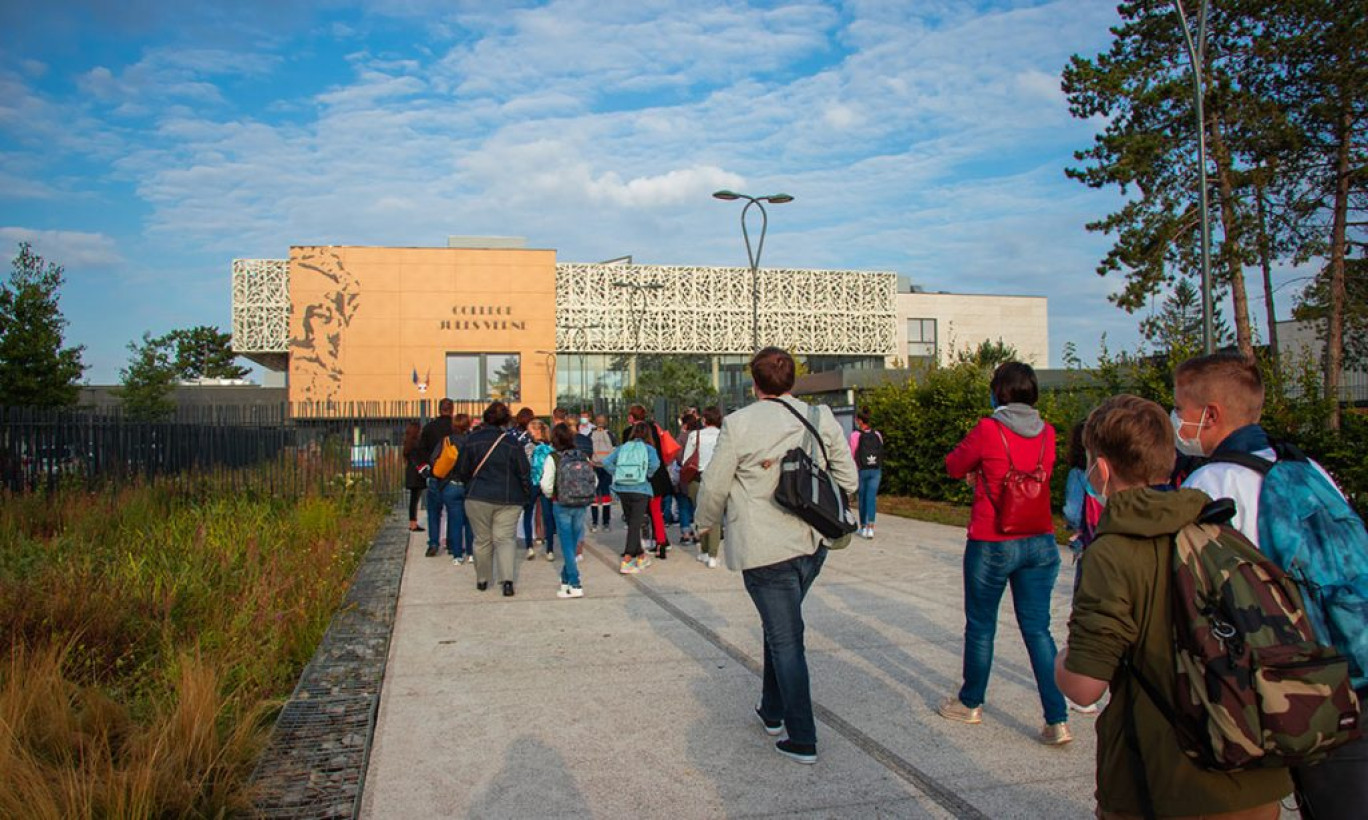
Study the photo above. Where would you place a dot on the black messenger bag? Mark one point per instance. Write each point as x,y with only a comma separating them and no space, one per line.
809,492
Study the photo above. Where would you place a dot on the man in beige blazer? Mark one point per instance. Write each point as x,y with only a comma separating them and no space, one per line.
777,554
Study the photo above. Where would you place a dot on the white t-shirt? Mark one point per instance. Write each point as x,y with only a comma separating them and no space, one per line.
1242,485
707,442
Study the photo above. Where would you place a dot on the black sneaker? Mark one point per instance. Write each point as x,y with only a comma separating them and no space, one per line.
482,585
773,728
801,752
508,589
431,551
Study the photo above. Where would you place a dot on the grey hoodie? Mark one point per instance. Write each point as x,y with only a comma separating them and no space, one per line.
1022,419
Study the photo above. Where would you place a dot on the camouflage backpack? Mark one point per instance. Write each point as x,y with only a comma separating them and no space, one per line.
1254,688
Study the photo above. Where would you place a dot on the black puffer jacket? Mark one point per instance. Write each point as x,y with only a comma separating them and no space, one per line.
505,478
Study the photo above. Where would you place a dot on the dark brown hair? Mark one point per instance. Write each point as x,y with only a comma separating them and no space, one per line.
712,416
1227,377
636,412
525,417
641,431
497,414
1135,436
1015,383
773,371
865,416
460,423
562,437
445,406
411,432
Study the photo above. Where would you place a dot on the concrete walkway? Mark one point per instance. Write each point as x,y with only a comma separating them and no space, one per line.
635,701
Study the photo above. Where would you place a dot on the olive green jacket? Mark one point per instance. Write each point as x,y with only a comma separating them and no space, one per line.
1122,607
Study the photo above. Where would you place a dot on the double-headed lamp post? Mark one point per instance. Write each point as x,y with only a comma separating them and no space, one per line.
754,256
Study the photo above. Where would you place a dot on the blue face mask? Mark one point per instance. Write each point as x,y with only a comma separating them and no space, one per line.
992,400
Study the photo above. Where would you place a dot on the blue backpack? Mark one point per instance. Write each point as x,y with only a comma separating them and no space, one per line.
538,461
632,465
1311,532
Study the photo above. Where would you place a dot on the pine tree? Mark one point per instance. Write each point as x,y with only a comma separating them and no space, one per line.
149,380
1176,329
35,369
204,352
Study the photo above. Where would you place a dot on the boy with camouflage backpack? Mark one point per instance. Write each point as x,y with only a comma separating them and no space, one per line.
1290,508
1123,627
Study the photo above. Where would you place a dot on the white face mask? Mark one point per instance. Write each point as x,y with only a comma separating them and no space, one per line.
1188,446
1100,495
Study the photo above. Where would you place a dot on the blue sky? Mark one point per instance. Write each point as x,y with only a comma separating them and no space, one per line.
145,144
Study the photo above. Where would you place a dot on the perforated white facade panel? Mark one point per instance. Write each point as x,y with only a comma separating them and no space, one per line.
261,305
671,309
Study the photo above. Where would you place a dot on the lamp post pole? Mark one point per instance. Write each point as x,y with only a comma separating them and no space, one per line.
1196,56
754,256
550,375
583,330
637,288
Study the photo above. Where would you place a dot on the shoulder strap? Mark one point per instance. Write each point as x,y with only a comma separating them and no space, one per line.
487,454
1247,460
812,430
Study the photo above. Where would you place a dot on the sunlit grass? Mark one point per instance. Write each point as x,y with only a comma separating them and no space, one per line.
148,634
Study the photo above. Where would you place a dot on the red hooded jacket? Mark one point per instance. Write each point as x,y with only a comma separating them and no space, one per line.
981,452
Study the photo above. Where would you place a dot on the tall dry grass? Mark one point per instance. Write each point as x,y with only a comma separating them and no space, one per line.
148,635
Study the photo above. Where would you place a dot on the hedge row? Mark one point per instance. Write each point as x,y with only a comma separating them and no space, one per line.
923,418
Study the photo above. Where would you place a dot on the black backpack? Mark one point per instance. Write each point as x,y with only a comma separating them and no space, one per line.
869,450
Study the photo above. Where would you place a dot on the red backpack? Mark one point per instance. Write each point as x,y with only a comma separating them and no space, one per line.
1024,506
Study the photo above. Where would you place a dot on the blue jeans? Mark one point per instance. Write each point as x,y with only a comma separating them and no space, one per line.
570,528
548,520
686,511
1030,566
869,491
460,537
778,591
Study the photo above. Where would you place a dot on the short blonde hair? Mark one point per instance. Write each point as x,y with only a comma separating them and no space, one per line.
539,430
1228,378
1135,436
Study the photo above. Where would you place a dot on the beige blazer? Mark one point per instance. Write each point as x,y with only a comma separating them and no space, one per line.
744,470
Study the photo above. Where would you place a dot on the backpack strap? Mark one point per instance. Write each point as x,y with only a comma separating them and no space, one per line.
811,430
1133,676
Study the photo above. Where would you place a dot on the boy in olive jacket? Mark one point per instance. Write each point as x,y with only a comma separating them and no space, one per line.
1122,609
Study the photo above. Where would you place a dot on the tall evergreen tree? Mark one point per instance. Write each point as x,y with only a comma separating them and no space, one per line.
204,352
1148,149
35,369
1176,328
149,379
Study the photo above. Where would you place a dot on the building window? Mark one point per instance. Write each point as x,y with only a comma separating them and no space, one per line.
484,377
921,338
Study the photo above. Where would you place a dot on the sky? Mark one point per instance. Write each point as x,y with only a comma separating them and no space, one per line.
146,144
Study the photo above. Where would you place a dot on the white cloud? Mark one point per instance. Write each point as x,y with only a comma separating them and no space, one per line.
74,250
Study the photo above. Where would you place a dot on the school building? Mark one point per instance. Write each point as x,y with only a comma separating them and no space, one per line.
486,318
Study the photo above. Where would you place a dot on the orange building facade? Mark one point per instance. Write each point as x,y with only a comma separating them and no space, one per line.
380,324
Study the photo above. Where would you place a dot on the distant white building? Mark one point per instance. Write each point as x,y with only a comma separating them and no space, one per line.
1303,339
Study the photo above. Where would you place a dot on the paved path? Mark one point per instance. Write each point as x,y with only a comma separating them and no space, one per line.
635,701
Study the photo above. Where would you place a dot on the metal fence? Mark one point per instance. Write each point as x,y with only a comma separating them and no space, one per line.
322,447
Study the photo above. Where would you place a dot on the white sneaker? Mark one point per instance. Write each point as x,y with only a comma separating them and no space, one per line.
702,558
570,592
456,560
593,528
550,556
712,562
531,553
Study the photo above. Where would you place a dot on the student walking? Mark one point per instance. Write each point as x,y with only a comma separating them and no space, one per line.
433,432
1218,404
497,479
1013,439
698,452
1123,620
866,445
414,460
567,484
778,555
603,444
460,536
631,466
541,505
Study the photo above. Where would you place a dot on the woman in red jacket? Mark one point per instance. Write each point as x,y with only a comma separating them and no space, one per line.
1013,435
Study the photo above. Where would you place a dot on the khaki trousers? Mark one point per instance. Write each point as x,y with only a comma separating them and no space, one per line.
713,537
496,538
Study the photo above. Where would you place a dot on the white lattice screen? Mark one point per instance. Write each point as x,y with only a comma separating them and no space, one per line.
673,309
261,305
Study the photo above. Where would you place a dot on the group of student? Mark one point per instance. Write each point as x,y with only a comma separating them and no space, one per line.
1220,577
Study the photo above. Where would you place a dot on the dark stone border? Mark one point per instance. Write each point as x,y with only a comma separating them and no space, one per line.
314,767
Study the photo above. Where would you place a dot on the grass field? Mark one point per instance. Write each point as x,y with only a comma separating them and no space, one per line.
941,512
148,637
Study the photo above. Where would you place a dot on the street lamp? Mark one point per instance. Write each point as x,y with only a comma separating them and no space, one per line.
754,258
584,344
550,374
1196,51
637,288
